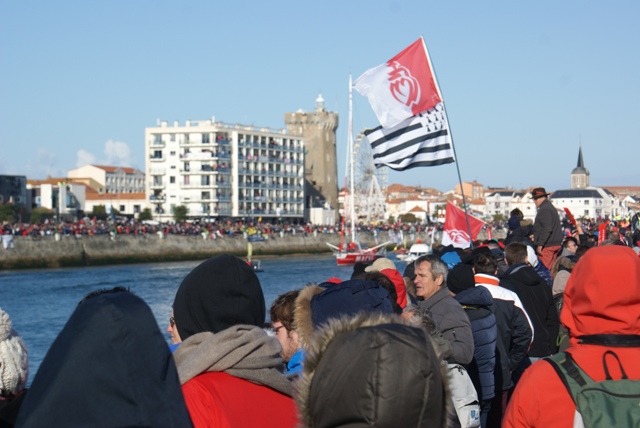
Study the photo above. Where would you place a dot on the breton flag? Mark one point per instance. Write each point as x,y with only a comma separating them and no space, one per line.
402,87
455,228
421,140
407,101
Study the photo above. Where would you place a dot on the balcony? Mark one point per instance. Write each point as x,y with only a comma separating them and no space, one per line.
156,186
157,171
154,158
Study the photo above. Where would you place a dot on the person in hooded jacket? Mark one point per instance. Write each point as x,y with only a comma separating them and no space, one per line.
537,300
230,369
477,303
371,370
601,307
109,367
14,371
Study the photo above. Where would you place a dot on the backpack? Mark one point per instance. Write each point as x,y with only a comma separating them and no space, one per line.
464,396
609,403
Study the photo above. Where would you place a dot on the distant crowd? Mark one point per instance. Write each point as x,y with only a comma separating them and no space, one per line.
539,329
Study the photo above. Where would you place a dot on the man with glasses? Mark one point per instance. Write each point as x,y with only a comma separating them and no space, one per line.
282,321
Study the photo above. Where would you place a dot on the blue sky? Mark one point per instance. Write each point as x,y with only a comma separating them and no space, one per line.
524,82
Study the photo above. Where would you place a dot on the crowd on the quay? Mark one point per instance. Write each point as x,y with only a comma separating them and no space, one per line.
491,335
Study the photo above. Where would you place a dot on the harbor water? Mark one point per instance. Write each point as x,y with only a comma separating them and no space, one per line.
41,301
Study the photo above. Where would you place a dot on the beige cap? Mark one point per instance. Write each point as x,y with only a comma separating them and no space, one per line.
380,265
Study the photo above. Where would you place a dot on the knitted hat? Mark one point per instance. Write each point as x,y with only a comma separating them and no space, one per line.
460,278
221,292
14,363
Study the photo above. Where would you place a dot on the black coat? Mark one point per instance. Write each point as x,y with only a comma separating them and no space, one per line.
537,300
109,367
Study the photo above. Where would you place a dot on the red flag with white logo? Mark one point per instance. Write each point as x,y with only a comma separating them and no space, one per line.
402,87
455,228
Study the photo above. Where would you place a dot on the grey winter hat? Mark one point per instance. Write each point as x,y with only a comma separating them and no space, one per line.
14,362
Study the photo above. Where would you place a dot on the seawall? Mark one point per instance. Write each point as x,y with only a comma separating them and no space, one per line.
67,251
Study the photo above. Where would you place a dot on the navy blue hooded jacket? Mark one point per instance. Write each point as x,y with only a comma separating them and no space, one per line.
477,302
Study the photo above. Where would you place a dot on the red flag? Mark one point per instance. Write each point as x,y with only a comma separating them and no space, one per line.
570,217
455,227
489,233
401,87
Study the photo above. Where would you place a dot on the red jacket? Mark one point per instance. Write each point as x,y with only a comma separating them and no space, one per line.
217,399
602,297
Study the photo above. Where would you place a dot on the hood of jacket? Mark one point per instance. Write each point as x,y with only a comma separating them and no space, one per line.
603,293
109,366
372,370
524,274
477,296
398,281
316,305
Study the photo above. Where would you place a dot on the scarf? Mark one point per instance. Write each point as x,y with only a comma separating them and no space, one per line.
243,351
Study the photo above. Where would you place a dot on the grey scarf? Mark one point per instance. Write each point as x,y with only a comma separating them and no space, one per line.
243,351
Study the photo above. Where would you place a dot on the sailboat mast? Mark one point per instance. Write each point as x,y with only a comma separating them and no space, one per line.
351,173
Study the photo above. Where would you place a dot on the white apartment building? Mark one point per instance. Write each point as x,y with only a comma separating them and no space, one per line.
219,170
112,179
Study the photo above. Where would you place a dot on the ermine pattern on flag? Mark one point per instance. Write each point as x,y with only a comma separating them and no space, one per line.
421,140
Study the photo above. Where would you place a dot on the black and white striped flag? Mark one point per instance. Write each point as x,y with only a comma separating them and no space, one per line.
421,140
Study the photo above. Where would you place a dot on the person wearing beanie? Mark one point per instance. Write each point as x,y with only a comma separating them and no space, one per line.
14,371
226,359
600,311
477,303
109,366
450,318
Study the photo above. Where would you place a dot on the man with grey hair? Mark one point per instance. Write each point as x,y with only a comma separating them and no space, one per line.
450,318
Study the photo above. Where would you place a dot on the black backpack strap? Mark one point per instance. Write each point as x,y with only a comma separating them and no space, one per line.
606,368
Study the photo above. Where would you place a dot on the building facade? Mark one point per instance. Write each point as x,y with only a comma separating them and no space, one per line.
321,166
218,170
111,179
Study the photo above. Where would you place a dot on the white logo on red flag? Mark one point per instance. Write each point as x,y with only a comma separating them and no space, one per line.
455,227
403,86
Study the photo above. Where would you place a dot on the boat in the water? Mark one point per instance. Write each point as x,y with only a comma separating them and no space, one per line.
354,253
416,251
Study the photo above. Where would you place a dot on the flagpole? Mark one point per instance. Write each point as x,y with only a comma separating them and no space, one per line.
453,146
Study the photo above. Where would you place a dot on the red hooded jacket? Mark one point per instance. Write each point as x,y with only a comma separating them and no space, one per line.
602,297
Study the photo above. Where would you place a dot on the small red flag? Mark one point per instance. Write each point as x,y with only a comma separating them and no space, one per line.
455,227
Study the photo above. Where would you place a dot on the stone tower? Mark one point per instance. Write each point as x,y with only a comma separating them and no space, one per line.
580,174
321,167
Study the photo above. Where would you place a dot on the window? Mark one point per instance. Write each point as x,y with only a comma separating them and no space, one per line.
586,201
205,138
172,180
172,153
205,180
157,154
205,196
173,137
121,208
186,180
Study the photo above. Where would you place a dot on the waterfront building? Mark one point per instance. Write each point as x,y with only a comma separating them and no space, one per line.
127,204
13,189
219,170
64,197
110,179
321,167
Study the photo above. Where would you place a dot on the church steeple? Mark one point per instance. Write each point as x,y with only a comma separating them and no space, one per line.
580,174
